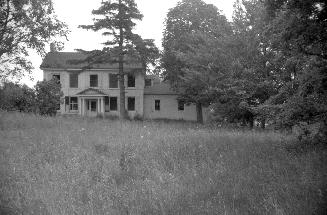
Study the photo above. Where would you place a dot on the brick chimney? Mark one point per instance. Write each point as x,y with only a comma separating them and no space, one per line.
53,47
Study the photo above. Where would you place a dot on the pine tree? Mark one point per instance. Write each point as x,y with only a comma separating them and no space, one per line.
116,19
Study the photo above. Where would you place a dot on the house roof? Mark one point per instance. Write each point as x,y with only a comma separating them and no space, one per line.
63,60
161,88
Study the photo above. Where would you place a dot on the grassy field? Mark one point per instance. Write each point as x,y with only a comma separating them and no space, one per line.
95,166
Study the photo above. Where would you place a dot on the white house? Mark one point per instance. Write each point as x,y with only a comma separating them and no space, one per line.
95,90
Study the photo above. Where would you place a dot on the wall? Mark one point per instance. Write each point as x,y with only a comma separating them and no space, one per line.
103,85
168,108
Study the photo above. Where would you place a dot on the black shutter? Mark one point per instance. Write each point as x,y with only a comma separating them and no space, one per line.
66,100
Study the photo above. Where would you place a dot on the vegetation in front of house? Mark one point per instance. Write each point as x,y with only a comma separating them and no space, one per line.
44,99
90,166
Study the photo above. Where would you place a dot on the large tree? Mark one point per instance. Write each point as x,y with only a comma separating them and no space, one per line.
193,55
25,24
116,19
252,59
297,32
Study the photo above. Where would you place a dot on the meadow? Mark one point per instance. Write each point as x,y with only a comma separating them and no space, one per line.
71,165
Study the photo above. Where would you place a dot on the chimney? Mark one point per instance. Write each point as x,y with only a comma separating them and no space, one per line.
53,47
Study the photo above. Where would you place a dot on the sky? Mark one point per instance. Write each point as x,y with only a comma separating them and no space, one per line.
78,12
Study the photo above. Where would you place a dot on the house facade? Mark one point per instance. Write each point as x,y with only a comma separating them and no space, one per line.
94,91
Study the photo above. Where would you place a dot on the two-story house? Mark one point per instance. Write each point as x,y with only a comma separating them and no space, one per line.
95,91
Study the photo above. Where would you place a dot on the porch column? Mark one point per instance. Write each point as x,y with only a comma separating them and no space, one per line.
99,107
102,109
80,106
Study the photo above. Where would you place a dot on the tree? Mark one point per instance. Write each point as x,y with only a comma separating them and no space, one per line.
117,19
25,24
15,97
48,94
297,32
194,45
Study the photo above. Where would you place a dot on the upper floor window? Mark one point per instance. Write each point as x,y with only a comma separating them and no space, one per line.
56,77
113,80
93,80
148,82
73,80
131,103
130,80
157,104
180,105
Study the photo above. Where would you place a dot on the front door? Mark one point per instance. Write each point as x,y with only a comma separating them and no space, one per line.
91,107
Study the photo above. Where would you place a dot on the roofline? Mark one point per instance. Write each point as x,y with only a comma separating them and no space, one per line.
162,94
95,69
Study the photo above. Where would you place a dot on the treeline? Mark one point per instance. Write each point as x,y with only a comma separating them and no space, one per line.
269,64
43,99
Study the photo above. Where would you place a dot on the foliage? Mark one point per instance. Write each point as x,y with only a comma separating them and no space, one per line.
17,97
297,32
116,19
48,94
25,24
195,54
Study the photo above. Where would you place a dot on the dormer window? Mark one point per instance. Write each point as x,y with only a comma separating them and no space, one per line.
148,82
130,80
93,80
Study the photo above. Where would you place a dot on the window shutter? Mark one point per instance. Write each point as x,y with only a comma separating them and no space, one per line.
66,100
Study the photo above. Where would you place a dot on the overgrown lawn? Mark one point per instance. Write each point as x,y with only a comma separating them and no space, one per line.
95,166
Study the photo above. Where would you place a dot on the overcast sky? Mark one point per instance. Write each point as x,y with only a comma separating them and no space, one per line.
78,12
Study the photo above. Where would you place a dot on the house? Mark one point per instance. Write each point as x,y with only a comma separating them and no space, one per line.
95,90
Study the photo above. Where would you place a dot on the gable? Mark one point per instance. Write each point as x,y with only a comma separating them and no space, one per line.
91,91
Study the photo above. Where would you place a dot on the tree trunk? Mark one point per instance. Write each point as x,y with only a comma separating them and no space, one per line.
263,123
251,122
123,114
199,116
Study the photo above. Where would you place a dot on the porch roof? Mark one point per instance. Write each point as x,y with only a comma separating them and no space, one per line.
91,92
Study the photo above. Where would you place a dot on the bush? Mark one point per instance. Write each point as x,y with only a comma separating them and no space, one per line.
48,94
15,97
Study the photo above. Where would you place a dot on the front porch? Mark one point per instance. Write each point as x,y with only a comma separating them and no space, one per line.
91,102
91,106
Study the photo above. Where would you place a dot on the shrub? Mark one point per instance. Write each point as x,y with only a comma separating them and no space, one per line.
48,94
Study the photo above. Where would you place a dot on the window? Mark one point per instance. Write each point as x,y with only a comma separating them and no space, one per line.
113,81
130,81
180,105
131,103
106,104
157,104
73,103
113,103
93,80
73,80
148,82
56,77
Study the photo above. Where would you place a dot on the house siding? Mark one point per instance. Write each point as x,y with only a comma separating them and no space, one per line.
168,108
144,102
103,86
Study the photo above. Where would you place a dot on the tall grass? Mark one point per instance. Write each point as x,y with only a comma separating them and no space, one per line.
93,166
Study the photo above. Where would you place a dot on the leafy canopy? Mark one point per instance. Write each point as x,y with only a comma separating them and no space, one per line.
25,24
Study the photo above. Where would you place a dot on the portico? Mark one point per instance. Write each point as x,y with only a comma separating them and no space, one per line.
91,102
